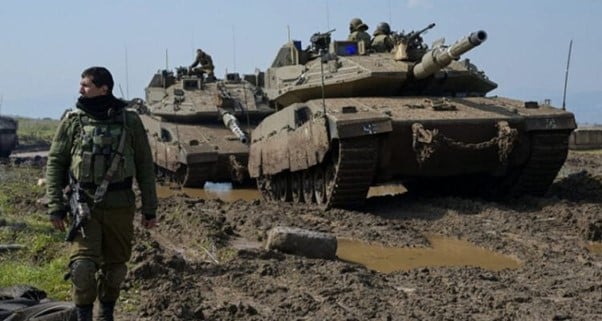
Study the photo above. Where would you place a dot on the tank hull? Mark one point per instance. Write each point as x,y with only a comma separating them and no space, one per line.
8,135
195,154
480,145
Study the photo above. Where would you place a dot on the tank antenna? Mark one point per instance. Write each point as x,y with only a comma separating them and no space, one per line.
288,35
127,78
166,60
390,12
566,75
233,48
121,91
322,58
327,16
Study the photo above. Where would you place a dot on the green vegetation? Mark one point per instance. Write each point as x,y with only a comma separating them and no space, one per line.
43,259
36,131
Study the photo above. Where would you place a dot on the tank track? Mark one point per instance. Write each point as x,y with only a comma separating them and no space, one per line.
354,168
341,180
548,153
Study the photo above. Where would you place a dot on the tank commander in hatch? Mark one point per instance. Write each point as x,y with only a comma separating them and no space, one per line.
357,32
204,59
382,41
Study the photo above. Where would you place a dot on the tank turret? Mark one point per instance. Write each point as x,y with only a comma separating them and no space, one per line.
350,119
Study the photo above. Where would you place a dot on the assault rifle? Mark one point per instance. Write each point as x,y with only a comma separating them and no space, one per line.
79,210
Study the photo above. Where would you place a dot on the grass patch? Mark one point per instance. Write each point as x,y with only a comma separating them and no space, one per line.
35,132
43,260
47,277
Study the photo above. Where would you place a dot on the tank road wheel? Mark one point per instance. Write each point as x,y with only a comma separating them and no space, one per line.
282,187
319,185
329,180
275,190
307,183
286,185
296,187
264,185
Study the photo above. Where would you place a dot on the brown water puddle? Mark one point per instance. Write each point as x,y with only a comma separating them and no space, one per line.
222,191
444,252
226,193
595,247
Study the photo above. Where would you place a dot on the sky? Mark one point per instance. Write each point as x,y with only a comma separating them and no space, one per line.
45,45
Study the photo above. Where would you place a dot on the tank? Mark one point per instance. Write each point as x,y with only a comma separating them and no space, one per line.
198,129
349,119
8,135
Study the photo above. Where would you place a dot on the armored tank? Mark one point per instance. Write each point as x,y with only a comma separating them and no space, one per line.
8,135
198,128
350,118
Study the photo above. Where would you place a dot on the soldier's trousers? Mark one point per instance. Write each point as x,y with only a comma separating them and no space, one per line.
98,260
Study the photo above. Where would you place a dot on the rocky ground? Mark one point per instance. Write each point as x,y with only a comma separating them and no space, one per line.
205,260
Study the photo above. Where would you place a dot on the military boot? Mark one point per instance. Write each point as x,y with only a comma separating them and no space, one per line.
105,312
84,312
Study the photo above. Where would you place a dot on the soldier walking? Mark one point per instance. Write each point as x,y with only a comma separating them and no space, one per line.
99,149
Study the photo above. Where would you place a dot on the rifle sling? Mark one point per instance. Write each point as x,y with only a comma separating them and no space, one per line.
117,158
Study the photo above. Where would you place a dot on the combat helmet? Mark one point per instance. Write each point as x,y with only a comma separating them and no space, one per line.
382,29
357,24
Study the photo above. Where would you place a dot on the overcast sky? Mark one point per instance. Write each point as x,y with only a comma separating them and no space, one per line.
45,45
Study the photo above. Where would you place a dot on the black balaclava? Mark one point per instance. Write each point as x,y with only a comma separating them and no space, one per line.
100,107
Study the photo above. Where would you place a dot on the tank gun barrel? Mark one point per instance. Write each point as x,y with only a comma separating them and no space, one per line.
439,57
232,123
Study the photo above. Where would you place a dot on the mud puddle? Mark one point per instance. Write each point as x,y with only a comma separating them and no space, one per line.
444,252
226,193
222,191
595,248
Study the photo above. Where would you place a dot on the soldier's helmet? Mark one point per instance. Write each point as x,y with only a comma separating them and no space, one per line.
357,24
382,28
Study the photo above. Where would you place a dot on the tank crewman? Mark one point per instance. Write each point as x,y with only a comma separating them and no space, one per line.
204,59
99,149
382,41
357,32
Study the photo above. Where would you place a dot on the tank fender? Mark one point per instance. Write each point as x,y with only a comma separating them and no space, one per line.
292,150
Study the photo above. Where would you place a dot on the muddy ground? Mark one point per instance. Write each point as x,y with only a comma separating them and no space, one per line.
205,261
188,268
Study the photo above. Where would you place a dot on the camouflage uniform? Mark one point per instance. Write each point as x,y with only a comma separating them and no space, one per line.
206,63
382,41
83,147
357,32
